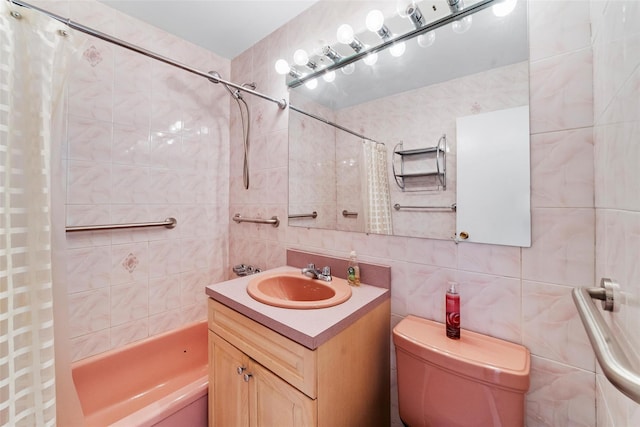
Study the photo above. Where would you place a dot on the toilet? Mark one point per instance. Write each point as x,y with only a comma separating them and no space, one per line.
476,381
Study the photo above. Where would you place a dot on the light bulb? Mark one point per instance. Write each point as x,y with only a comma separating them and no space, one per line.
345,34
375,20
397,49
312,84
282,67
300,57
329,77
504,8
402,7
462,25
370,59
426,40
348,69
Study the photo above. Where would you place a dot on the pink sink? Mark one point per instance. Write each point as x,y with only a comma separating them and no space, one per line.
294,290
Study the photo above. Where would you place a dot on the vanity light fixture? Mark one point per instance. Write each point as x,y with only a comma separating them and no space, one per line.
415,14
301,57
375,24
455,5
331,54
345,35
283,67
460,20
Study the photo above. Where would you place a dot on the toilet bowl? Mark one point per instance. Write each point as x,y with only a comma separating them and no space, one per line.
476,381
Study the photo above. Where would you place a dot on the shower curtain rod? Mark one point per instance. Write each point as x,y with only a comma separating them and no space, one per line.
335,125
95,33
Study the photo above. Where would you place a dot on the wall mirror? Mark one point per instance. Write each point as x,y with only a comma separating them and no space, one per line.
373,135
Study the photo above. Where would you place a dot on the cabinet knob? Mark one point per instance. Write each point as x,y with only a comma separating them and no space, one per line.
464,235
247,377
240,369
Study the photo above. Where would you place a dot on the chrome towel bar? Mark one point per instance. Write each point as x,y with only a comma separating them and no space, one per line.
313,214
452,207
169,223
614,362
273,221
346,213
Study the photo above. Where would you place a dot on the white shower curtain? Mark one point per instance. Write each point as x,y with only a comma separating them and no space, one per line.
32,61
377,200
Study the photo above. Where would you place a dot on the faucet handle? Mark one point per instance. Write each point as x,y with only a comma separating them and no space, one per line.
326,271
311,266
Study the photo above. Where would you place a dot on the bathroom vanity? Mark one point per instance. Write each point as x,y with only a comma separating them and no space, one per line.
271,366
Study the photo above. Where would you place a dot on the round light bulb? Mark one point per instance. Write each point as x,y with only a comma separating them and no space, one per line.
312,84
462,25
329,77
375,20
402,7
282,67
504,8
397,49
300,57
348,69
370,59
426,40
345,34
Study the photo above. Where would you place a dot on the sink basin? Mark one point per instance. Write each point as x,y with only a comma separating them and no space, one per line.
294,290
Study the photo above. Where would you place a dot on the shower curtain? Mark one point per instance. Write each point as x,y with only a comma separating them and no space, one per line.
33,53
377,200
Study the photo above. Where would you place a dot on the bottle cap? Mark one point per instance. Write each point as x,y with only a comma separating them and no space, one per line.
453,287
352,254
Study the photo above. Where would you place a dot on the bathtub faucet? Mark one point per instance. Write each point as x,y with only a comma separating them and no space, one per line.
311,271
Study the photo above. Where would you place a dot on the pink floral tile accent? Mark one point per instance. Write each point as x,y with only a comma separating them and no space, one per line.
130,263
92,55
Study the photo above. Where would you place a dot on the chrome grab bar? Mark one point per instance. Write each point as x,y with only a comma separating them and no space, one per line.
346,213
614,362
452,207
273,221
169,223
313,214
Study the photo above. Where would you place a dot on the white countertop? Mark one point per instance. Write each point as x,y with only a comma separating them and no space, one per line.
310,328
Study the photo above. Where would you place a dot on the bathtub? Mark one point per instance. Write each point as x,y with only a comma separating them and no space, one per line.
160,381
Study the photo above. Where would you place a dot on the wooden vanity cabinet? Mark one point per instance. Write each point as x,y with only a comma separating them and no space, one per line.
259,378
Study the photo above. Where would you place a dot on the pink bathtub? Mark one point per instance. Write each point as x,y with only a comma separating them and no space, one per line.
160,381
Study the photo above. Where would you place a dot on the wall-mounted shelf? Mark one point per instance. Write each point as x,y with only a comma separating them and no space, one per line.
416,165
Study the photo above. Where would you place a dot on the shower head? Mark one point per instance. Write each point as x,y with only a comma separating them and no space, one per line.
216,79
237,94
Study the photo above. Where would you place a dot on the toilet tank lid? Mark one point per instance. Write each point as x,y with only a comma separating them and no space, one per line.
478,356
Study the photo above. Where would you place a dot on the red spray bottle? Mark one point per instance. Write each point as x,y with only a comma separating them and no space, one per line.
452,302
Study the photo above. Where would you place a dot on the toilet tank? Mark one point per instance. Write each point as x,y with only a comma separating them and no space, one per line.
474,381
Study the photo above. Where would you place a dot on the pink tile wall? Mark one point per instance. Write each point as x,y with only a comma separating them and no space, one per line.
145,141
616,52
510,293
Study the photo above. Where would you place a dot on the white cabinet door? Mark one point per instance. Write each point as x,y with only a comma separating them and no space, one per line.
493,178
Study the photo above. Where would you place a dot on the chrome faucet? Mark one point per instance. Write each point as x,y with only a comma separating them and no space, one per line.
311,271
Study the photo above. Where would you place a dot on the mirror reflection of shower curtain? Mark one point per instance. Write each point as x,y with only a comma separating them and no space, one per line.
33,63
377,200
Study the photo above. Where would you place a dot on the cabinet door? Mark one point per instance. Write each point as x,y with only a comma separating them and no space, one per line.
275,403
228,392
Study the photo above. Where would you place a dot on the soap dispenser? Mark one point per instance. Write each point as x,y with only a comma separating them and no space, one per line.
353,270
